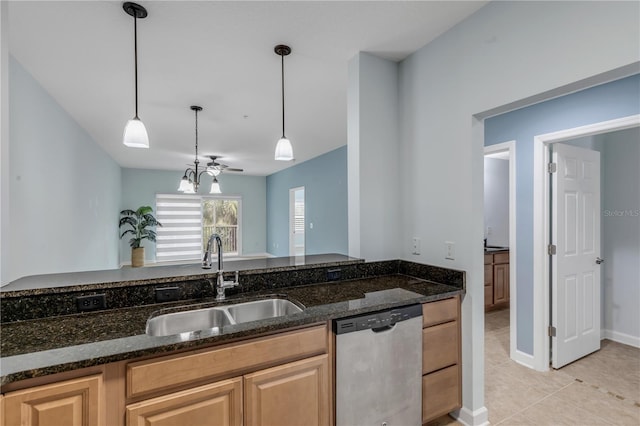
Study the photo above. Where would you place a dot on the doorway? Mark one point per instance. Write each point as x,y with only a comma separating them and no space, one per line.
542,228
296,221
500,235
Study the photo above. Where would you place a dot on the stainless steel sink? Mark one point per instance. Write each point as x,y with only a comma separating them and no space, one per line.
215,318
186,321
262,309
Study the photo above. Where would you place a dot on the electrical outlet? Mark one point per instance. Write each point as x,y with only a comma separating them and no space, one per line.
450,247
92,302
167,294
334,274
489,231
416,246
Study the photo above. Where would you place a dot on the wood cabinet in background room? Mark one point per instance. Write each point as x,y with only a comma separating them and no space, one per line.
441,358
496,280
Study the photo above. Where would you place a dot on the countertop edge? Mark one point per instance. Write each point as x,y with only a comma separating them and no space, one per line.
30,369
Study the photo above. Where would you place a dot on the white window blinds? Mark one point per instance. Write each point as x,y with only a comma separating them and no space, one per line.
180,236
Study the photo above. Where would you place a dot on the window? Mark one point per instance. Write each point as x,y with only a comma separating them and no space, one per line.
188,222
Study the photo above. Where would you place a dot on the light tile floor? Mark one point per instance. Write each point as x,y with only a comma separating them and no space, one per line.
600,389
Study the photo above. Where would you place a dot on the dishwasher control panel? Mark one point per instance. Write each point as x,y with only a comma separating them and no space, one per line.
375,320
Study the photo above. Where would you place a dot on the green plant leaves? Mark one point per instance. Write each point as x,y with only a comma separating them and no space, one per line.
139,220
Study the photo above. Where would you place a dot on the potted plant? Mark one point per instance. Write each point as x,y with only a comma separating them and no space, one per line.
138,222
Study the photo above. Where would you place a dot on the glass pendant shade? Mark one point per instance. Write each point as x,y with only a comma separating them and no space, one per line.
184,185
284,150
190,189
135,134
215,187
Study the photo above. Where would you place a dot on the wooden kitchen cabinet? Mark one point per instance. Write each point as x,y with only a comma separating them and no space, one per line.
496,280
76,402
289,395
441,358
217,404
282,379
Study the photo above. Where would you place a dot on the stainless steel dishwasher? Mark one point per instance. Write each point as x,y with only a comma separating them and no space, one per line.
379,368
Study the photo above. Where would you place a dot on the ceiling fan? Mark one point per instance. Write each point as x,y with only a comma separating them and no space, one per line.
214,168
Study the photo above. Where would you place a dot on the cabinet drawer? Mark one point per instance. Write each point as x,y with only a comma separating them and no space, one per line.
178,370
488,259
440,346
488,274
440,393
501,258
439,312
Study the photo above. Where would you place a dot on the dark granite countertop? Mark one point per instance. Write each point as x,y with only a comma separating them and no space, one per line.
46,346
127,276
491,250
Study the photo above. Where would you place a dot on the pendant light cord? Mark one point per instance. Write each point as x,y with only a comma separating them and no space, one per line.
135,56
282,58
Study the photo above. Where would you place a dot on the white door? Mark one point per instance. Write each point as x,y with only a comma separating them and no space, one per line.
575,225
296,221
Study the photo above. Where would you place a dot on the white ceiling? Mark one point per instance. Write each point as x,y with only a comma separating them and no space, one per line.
218,55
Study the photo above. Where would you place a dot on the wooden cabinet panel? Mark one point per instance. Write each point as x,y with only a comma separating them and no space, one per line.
488,275
178,370
488,259
500,283
488,296
293,394
78,402
438,312
501,258
217,404
440,346
441,393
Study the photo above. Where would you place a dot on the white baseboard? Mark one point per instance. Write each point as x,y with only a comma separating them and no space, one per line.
523,359
479,417
623,338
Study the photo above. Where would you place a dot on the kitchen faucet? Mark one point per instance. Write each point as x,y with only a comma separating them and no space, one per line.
206,264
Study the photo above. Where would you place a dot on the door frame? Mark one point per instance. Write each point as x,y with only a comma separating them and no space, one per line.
514,353
541,226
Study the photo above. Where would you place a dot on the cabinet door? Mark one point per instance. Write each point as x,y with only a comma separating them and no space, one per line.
292,394
217,404
500,283
77,402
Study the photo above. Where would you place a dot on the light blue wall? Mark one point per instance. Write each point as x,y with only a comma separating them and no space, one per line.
605,102
64,189
139,187
325,183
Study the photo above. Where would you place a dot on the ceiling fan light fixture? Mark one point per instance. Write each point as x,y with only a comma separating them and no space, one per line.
135,133
215,187
284,150
212,171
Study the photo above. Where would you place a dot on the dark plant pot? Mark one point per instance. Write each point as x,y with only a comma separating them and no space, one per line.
137,257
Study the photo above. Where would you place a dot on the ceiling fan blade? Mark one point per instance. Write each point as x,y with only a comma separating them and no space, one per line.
233,169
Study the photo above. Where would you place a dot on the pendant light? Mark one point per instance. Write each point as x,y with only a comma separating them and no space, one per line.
284,150
135,134
191,179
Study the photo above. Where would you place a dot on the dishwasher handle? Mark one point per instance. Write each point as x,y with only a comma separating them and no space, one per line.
383,328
